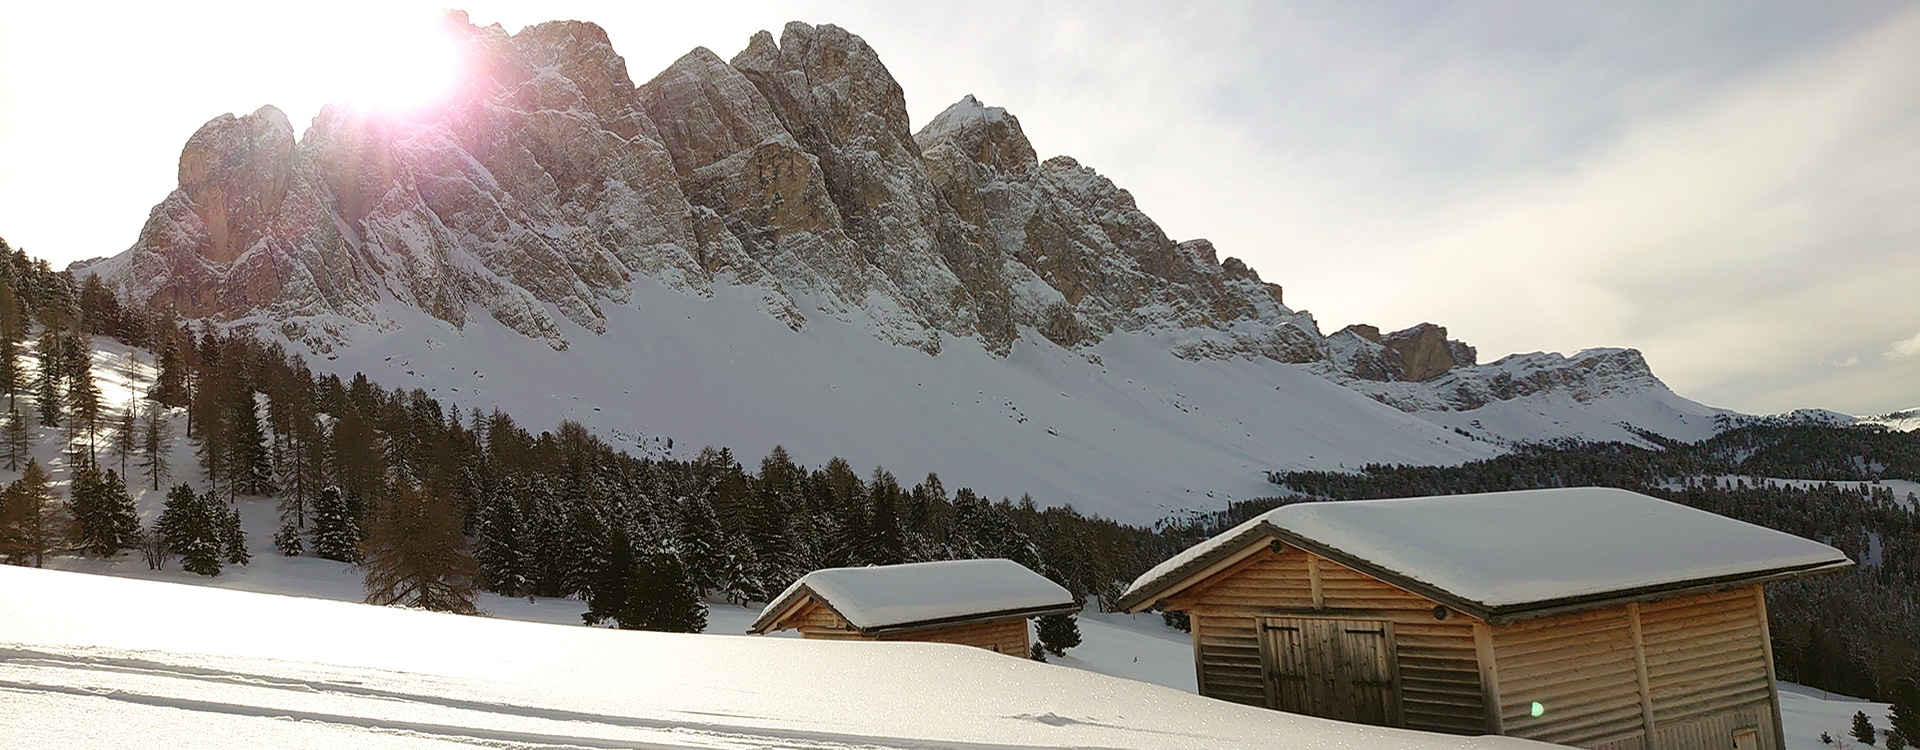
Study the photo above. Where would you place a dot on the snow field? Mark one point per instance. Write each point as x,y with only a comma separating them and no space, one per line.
211,668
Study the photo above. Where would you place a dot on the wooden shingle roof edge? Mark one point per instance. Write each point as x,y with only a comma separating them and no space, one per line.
799,596
1252,537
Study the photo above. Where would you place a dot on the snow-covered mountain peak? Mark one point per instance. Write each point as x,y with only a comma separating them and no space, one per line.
767,229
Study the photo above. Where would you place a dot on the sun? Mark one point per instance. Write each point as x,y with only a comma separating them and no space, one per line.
398,63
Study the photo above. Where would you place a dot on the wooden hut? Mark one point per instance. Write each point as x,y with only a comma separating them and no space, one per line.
1592,617
982,603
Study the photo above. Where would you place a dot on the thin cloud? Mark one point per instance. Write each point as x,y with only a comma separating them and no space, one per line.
1904,349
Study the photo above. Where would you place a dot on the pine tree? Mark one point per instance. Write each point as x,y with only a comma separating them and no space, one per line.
233,538
170,384
83,397
416,555
1904,714
636,592
103,511
611,589
1896,740
191,530
1862,728
15,439
248,463
288,540
503,565
336,534
9,362
46,381
156,443
31,524
1058,633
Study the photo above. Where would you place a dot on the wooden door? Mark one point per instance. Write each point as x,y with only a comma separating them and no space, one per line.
1332,668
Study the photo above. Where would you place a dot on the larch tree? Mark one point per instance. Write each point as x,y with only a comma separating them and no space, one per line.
156,444
83,396
416,555
46,379
9,362
32,525
15,439
125,440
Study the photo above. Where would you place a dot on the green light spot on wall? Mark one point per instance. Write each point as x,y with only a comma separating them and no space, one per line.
1538,710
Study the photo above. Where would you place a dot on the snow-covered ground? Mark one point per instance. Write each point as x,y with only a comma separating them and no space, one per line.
1134,647
185,666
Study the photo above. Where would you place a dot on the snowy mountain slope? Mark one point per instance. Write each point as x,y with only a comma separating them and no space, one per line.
1906,420
228,668
1130,432
761,251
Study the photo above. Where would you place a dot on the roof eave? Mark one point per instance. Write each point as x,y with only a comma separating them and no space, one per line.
1159,592
1024,612
1570,605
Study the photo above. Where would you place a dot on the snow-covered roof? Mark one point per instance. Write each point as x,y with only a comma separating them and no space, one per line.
1504,553
891,597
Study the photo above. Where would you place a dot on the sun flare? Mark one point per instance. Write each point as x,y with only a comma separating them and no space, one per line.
400,63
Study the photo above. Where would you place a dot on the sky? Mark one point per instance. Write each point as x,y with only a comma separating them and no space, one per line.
1732,188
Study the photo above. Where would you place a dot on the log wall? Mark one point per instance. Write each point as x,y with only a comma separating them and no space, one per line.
1005,635
1687,673
1690,672
1436,660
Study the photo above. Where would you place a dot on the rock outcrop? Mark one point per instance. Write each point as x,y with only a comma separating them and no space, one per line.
549,184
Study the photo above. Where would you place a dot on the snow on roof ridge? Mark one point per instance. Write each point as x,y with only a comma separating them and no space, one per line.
1522,547
881,596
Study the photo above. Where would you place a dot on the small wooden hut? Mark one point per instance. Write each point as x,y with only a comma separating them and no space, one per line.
982,603
1592,617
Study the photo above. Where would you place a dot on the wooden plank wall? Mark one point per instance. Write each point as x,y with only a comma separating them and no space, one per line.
1705,675
1707,669
1715,732
1006,636
1438,664
816,621
1580,669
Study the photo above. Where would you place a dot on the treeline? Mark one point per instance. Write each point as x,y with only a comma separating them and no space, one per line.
435,502
1856,632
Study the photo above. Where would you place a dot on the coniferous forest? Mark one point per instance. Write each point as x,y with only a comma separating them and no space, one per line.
435,503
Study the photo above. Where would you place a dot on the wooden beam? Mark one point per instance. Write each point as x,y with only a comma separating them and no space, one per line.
1489,678
1199,664
1313,582
1640,671
1773,682
1243,555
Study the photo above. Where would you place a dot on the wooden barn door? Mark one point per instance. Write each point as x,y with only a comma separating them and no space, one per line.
1337,669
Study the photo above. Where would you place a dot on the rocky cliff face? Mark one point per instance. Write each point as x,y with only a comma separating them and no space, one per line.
549,184
550,181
